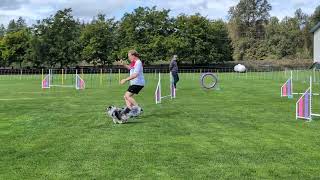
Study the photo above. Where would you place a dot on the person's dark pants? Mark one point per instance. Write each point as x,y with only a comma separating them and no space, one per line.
175,78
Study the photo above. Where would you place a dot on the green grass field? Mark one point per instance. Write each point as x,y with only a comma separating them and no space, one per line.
242,131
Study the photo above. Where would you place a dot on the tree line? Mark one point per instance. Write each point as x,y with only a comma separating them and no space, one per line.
250,33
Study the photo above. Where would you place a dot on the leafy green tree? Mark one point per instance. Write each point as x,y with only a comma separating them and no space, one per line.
99,42
21,24
146,30
2,30
59,37
16,45
247,27
315,17
18,25
12,27
198,40
2,50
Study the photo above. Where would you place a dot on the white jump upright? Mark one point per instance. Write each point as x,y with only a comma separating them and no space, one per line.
158,94
304,105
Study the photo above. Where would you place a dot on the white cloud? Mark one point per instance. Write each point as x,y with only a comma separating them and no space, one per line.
12,4
32,10
282,9
215,9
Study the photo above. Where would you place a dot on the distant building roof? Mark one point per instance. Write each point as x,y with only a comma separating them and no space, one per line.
314,29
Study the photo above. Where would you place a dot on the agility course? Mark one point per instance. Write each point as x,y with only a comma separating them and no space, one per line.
244,131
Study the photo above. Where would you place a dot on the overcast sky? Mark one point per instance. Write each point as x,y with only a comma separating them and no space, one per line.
32,10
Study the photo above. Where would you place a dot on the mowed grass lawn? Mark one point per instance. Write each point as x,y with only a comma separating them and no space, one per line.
243,131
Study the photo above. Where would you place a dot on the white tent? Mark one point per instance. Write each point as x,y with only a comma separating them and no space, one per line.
316,43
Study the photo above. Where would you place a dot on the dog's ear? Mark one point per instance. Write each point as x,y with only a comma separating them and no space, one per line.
110,107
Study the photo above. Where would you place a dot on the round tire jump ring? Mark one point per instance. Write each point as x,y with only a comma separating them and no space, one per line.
211,85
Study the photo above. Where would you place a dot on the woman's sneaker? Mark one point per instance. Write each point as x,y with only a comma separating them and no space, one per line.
136,111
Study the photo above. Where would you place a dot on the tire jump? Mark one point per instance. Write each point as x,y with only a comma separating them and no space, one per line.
210,85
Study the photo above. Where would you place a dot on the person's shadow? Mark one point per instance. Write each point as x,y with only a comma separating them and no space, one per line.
134,122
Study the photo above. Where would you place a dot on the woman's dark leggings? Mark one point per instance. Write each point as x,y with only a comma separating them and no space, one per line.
175,78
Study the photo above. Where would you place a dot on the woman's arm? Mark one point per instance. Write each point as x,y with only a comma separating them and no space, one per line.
124,65
133,76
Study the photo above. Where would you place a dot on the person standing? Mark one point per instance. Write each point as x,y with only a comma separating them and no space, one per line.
173,67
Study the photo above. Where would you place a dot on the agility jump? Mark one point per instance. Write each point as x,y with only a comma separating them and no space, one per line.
214,82
287,88
47,82
158,94
304,105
